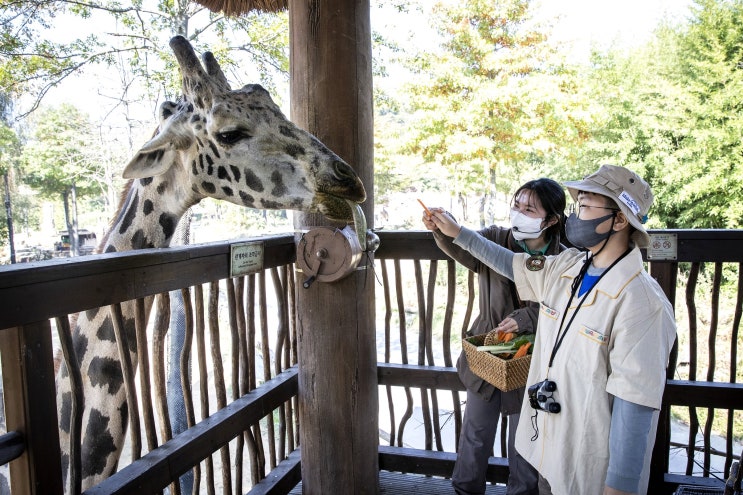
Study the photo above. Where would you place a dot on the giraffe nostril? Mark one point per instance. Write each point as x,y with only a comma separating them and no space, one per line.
344,170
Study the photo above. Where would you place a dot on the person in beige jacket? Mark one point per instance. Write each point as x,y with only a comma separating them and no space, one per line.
537,209
605,332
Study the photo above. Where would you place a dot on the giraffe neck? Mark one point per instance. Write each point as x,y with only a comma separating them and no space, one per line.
147,218
149,213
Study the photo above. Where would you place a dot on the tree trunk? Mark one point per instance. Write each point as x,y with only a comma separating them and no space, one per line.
9,216
75,238
331,96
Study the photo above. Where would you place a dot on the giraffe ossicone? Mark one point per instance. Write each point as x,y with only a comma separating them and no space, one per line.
232,145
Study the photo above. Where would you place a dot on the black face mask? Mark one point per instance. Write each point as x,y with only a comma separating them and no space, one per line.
582,233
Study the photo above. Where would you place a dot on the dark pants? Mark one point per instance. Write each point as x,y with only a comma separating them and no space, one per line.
476,440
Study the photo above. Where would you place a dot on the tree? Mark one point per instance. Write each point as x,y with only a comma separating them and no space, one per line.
494,102
8,156
58,163
671,111
35,58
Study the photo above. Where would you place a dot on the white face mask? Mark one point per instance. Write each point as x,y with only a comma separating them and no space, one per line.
523,227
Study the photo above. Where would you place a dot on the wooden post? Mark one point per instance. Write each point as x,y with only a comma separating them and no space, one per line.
331,97
28,377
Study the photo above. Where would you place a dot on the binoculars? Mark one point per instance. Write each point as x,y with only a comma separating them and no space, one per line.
541,396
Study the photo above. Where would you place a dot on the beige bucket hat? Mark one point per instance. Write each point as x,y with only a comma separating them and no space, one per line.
629,190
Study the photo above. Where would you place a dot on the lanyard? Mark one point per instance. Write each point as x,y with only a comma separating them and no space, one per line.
561,333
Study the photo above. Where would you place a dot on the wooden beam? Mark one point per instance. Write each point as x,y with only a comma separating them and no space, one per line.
434,463
331,97
434,377
282,478
35,291
159,467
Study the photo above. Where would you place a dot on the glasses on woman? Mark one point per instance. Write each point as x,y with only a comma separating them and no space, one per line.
575,208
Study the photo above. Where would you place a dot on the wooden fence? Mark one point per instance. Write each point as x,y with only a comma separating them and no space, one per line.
425,305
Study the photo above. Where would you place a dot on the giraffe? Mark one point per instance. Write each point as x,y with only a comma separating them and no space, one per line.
233,145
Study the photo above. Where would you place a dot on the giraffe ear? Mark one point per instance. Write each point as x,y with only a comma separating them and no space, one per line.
160,152
150,163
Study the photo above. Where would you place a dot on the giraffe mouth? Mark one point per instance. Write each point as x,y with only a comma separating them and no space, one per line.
335,208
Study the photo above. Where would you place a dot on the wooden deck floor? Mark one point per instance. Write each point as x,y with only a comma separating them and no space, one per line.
414,484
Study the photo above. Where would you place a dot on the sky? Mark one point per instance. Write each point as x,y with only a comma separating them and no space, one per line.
603,22
579,24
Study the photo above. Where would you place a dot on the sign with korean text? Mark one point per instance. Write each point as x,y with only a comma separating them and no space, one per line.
246,258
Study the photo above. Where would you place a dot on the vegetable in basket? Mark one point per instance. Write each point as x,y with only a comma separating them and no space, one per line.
512,347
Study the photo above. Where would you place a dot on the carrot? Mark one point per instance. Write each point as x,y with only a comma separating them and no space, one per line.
522,350
428,212
507,337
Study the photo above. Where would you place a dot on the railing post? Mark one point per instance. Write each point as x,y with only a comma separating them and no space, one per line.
28,378
665,273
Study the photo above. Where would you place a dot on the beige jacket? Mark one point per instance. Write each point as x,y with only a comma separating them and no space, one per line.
617,345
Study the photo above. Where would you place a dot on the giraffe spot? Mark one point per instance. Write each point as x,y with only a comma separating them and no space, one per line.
287,131
146,181
227,191
80,345
92,313
162,187
194,170
98,444
235,173
247,199
106,330
279,188
130,214
65,413
222,174
294,150
168,223
201,161
110,249
214,148
148,207
253,181
208,187
139,240
106,372
270,205
195,118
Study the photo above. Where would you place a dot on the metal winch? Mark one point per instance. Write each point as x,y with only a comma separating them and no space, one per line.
328,254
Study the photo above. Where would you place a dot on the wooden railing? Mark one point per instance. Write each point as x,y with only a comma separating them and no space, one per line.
245,321
425,305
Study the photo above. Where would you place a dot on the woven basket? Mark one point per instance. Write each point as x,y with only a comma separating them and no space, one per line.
503,374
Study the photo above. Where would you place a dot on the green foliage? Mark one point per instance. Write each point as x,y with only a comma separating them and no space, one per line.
9,151
671,111
57,157
35,58
494,99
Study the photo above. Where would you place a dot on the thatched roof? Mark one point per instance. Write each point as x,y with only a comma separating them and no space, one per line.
239,7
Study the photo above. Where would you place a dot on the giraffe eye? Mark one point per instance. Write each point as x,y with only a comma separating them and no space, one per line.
231,137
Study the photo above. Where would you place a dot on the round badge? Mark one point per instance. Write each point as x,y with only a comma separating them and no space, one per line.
535,263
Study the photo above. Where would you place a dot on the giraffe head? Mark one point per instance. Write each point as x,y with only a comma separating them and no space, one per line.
236,145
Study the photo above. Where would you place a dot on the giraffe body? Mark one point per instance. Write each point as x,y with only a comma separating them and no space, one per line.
233,145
